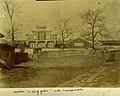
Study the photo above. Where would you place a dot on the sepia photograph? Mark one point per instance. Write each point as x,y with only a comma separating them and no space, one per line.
59,43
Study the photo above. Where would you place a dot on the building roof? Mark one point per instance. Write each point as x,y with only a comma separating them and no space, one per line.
3,41
78,39
110,42
1,35
19,41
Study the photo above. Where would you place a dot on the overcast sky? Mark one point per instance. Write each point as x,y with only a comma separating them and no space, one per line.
46,12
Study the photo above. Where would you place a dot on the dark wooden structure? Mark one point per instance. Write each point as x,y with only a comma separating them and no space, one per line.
7,55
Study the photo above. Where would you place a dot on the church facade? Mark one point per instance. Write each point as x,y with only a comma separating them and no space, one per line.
41,38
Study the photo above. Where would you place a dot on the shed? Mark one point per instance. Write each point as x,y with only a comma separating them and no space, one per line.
78,43
6,53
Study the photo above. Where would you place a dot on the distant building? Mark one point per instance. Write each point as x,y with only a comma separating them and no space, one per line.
110,43
41,38
78,43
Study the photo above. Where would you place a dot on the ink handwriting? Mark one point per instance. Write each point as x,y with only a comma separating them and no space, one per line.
38,92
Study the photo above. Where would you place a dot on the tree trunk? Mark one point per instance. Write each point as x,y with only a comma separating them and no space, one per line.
13,38
12,28
93,38
93,42
63,41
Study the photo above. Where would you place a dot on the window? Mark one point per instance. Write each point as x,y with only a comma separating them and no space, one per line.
79,44
35,37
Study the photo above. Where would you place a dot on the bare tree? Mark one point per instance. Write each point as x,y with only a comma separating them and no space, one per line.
12,8
64,28
95,24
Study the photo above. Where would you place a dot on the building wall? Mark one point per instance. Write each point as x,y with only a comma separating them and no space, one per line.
41,36
42,44
7,54
56,53
32,44
34,37
50,44
78,43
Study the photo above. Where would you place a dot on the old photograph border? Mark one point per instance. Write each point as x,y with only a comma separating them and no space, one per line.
95,35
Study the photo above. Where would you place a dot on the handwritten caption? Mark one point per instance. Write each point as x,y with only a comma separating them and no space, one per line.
39,92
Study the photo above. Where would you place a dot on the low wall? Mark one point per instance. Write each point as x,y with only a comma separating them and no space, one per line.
55,53
21,57
113,55
110,56
98,53
63,53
